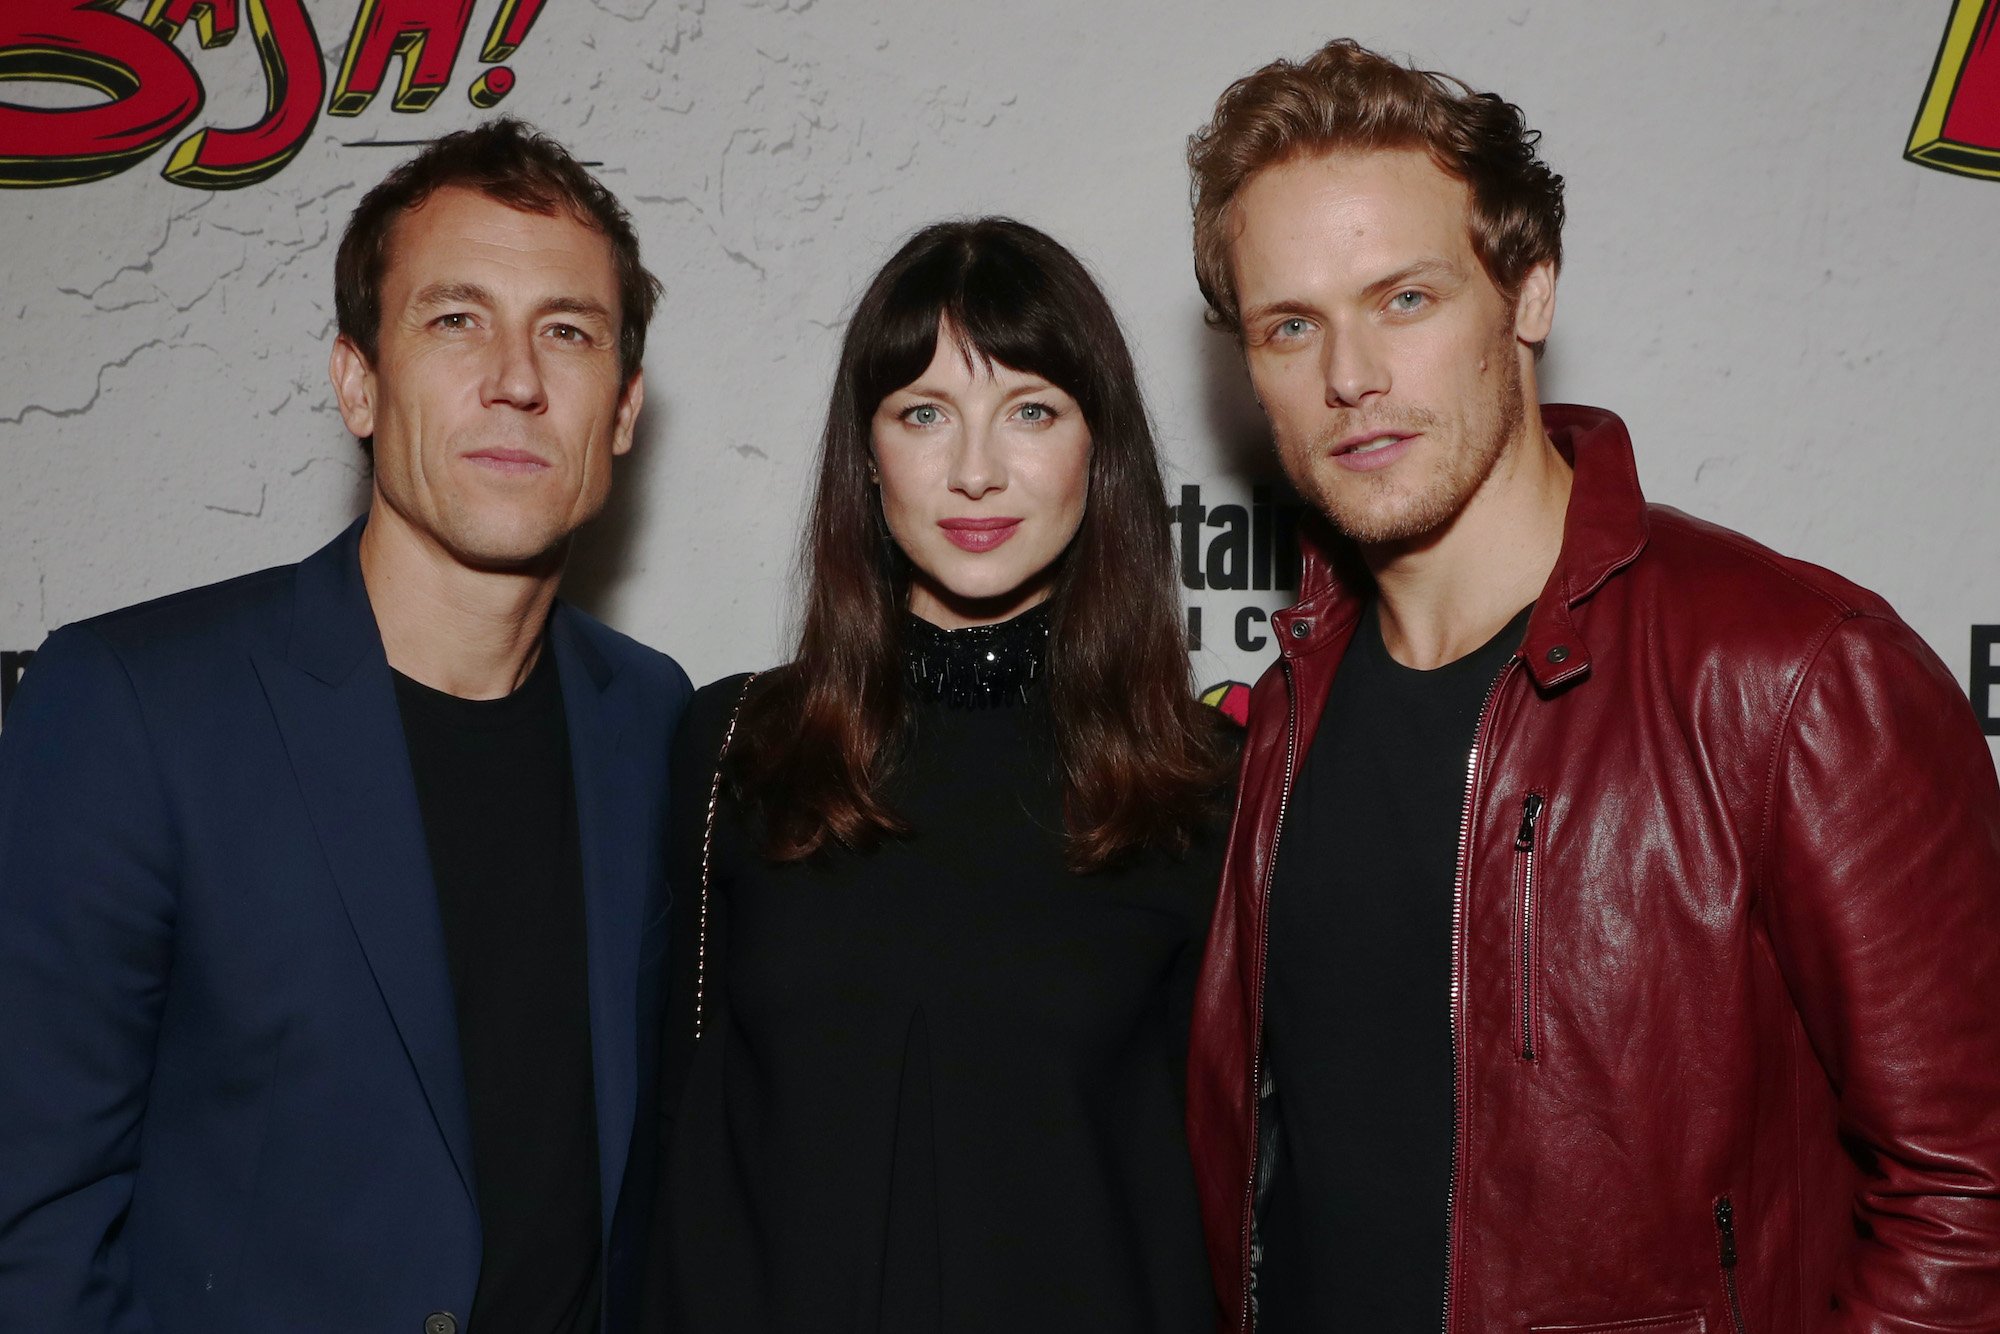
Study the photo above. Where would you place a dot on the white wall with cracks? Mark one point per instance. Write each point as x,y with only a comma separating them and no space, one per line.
1796,323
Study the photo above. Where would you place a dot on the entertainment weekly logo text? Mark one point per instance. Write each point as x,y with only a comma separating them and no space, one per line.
1228,547
1985,680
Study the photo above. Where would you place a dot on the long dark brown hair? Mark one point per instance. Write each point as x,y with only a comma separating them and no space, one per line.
1141,758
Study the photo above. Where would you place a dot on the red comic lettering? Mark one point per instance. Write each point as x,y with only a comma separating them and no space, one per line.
213,159
1974,117
510,28
214,20
1958,125
426,34
152,89
489,89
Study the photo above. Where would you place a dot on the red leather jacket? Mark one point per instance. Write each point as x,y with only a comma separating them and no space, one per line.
1725,1000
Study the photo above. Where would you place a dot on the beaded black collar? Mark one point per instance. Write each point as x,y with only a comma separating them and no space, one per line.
979,666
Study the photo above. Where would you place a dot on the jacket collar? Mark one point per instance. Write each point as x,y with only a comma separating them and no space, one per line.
1604,530
333,623
335,702
619,863
335,705
334,630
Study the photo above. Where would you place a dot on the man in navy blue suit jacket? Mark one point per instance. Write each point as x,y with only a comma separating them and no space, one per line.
331,914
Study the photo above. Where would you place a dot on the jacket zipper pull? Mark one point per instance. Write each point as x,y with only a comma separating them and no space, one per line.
1531,810
1725,1232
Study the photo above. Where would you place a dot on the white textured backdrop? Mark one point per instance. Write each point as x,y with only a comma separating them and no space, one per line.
1797,324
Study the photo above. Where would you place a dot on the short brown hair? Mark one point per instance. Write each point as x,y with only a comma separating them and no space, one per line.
510,161
1345,97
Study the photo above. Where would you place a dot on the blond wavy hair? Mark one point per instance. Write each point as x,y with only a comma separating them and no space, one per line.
1346,98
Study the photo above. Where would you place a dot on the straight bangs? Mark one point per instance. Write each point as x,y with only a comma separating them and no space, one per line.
999,305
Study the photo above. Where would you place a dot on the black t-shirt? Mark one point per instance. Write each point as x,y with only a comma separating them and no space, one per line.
499,809
1357,998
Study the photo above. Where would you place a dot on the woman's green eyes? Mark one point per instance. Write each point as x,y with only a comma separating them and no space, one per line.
930,414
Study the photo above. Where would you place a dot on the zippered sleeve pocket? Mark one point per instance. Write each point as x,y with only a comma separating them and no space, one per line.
1686,1322
1527,934
1726,1256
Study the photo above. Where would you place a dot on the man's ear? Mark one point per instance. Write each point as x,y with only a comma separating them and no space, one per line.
1535,307
630,399
353,386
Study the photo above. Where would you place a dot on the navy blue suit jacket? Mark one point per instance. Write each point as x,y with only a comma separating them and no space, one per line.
230,1091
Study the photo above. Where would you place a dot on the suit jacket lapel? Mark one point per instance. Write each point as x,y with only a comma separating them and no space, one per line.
613,828
335,704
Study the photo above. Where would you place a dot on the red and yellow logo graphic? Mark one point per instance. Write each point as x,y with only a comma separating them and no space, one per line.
1231,699
1958,126
154,93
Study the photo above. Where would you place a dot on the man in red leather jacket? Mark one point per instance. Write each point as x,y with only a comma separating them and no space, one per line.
1624,952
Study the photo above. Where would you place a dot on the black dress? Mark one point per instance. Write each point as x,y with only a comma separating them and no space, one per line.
938,1086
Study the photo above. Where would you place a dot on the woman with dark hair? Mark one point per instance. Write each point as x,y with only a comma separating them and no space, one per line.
944,877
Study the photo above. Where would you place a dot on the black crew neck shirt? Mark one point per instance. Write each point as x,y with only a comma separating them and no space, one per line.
1357,995
499,810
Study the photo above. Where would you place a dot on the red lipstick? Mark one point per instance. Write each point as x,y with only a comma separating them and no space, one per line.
979,534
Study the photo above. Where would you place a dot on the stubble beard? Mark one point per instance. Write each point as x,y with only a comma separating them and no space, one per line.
480,534
1375,510
508,548
496,529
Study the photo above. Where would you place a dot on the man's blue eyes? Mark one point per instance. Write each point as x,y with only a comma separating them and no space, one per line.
458,321
1402,303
